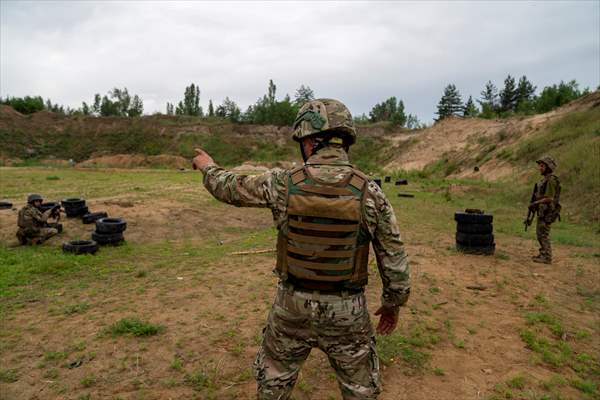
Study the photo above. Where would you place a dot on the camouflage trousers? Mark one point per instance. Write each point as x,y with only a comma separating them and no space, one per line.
37,237
339,325
542,231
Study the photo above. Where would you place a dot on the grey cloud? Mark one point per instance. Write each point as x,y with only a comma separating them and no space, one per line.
361,52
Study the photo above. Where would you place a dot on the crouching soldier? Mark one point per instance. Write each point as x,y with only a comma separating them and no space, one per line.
33,223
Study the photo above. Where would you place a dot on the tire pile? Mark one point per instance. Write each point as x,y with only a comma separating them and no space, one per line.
75,207
474,232
109,231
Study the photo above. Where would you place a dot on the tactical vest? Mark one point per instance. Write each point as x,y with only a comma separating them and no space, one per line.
550,212
323,245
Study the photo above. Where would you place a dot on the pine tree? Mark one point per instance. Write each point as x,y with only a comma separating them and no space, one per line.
391,110
271,92
489,101
525,96
190,105
450,103
170,109
211,109
470,108
303,95
508,95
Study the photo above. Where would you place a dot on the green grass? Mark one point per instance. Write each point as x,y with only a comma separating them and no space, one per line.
9,375
133,326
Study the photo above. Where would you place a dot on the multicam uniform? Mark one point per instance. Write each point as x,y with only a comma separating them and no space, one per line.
547,187
332,316
33,225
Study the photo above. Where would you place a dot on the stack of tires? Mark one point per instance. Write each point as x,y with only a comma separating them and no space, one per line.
75,207
109,231
474,232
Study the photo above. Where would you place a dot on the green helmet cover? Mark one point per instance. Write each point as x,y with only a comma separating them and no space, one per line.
322,116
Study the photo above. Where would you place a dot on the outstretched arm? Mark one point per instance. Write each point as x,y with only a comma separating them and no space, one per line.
237,189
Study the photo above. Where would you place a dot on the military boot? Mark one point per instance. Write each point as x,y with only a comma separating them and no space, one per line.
542,260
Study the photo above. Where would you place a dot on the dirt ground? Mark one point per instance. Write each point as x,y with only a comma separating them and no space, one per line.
214,306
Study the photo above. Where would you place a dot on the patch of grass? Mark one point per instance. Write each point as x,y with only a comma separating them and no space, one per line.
198,380
88,381
76,308
585,386
177,364
517,382
439,372
134,326
55,355
52,178
408,349
550,321
9,375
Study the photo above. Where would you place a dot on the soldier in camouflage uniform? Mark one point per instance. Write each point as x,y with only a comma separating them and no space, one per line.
327,213
548,207
33,224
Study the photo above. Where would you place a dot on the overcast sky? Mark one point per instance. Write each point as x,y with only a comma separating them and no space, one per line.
358,52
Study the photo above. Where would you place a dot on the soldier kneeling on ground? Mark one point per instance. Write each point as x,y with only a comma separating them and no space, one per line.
34,227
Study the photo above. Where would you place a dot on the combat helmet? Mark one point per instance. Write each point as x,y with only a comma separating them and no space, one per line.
324,115
34,197
549,161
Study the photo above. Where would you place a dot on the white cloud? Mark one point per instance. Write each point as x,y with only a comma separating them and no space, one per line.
360,53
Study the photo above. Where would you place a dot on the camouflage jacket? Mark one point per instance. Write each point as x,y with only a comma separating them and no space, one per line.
329,164
31,219
547,187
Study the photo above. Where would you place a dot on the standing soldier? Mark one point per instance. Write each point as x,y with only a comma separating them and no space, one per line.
327,213
547,203
33,224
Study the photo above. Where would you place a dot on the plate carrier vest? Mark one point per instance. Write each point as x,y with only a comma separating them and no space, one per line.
324,245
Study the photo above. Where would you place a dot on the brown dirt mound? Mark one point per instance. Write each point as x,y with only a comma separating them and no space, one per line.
136,161
8,111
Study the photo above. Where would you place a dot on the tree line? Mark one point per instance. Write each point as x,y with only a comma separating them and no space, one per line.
515,98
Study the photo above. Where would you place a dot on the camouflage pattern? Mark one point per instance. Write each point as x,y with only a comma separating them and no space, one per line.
549,161
321,115
33,225
542,231
269,190
547,187
338,325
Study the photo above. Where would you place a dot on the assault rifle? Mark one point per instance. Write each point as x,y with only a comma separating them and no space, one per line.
531,209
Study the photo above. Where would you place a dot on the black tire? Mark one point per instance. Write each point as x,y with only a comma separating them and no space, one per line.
475,228
377,181
5,205
468,218
387,179
73,203
76,212
401,182
80,247
483,250
90,218
108,238
406,195
111,225
473,239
